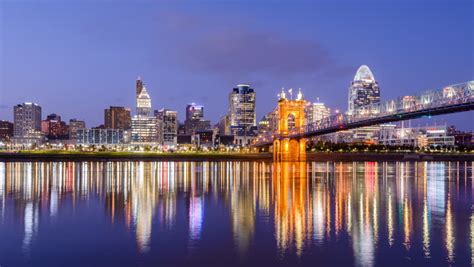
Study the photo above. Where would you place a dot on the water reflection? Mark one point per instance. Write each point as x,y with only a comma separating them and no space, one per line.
382,212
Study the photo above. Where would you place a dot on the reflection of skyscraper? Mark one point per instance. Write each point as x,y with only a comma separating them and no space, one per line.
364,90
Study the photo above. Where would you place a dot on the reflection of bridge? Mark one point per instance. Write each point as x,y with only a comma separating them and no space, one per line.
289,139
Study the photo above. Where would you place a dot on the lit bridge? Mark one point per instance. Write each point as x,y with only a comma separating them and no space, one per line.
289,138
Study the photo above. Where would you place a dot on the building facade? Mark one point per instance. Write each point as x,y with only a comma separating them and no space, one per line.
364,90
100,136
117,118
242,116
195,119
27,123
54,128
6,131
74,126
168,126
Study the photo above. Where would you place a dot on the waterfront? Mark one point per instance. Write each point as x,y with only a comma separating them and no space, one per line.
236,213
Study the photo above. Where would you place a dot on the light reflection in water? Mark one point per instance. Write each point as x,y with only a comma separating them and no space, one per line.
307,205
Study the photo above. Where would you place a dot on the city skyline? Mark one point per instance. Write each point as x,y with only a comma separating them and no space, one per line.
327,67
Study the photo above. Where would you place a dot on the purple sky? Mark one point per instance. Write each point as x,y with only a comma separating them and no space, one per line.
79,57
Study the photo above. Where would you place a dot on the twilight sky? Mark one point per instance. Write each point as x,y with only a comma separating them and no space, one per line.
79,57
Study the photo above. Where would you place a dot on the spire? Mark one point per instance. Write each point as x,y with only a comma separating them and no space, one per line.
300,95
282,94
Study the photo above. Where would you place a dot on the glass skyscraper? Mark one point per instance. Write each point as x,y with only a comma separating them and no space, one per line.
243,121
364,90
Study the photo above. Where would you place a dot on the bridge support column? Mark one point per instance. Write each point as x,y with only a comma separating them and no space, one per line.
287,149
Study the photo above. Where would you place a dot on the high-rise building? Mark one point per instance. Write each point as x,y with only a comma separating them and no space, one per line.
27,123
143,99
145,130
320,111
6,131
195,119
144,125
224,125
54,128
74,126
117,118
243,121
168,126
364,90
194,112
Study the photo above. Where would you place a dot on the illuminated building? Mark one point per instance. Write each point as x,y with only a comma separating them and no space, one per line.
319,111
168,126
364,90
117,118
6,130
144,130
100,136
74,126
144,125
195,119
27,123
224,125
242,114
54,128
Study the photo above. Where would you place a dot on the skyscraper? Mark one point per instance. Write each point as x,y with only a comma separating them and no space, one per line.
194,111
243,120
117,118
143,99
364,90
27,123
195,119
144,125
168,126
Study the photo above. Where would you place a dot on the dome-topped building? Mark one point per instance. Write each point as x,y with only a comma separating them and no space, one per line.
364,91
364,74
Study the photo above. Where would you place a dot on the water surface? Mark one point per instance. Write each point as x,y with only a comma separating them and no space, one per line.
236,213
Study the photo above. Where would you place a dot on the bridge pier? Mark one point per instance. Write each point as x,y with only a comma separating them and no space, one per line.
287,149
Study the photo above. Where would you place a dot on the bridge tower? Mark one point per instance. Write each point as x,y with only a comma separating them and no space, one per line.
291,118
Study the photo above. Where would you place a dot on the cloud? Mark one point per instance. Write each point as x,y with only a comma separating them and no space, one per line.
201,45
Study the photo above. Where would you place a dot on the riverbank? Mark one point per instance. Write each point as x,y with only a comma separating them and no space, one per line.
221,156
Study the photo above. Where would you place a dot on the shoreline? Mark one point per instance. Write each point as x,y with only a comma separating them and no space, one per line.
150,156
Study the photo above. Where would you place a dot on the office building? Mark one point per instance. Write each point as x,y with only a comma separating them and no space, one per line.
145,130
143,99
243,121
117,118
100,136
6,131
195,119
54,128
74,126
27,124
168,126
364,90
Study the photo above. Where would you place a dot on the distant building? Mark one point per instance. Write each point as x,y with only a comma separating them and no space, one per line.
144,130
27,123
168,126
144,126
100,137
117,118
194,112
195,119
224,125
143,99
205,138
242,116
429,136
74,126
364,90
6,131
54,128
